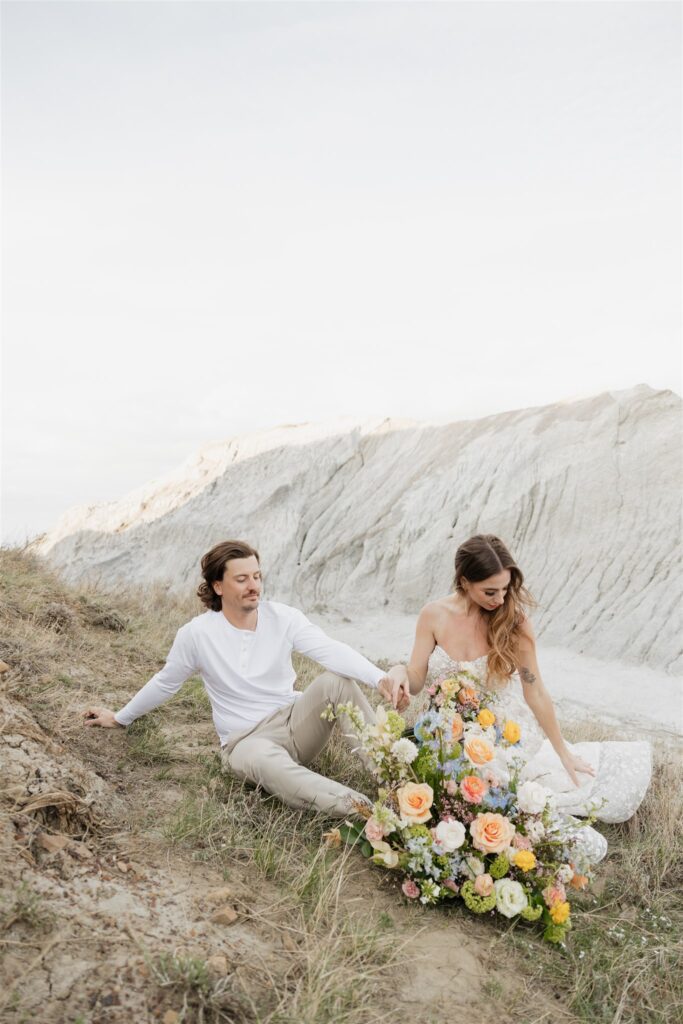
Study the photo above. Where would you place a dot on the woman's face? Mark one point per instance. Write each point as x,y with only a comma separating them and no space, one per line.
489,594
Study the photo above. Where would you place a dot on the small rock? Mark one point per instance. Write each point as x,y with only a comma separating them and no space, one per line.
136,869
122,866
4,667
220,895
171,1017
52,844
110,999
218,965
80,850
225,915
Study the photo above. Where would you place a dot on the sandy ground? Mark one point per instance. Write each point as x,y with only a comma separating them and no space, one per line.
639,698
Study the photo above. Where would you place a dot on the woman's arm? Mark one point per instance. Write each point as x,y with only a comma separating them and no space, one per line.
540,702
414,674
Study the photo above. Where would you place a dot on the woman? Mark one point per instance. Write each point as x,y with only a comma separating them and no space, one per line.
483,627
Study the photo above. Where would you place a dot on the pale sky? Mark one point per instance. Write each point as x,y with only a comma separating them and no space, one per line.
219,217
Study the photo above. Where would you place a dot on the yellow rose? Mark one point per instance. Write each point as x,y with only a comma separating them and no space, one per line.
560,912
478,750
525,860
491,833
486,718
511,732
414,801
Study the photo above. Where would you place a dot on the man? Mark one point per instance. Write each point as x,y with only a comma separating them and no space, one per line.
242,648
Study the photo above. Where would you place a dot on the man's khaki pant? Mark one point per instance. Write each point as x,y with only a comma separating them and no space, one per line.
274,753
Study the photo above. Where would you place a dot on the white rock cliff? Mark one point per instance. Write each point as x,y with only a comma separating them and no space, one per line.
358,517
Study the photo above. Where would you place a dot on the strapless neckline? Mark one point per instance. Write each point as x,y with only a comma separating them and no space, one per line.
461,661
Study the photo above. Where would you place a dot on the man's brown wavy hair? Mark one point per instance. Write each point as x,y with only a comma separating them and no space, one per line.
480,557
213,568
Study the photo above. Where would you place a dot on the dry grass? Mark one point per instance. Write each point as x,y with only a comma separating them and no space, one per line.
71,646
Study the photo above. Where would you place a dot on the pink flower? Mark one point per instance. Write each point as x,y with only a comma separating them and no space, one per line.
448,883
553,894
451,787
483,885
373,830
473,789
410,889
521,842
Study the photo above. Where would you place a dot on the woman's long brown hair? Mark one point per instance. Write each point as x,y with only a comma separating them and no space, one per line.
480,557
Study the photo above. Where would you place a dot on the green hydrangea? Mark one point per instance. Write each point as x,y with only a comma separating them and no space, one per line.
425,763
415,831
555,933
474,902
531,913
395,723
499,867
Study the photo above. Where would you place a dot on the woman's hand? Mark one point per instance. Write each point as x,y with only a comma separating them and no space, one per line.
574,764
395,687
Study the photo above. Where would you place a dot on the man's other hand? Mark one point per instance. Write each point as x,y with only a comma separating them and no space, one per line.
395,691
102,717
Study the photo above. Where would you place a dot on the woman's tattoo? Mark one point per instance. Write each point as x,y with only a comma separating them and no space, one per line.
527,675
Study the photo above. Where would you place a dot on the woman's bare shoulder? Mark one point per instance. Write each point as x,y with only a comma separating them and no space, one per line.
436,611
526,629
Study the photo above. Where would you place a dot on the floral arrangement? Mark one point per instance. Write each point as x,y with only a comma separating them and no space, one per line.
453,817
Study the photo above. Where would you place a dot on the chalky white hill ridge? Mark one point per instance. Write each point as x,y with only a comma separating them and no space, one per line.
353,518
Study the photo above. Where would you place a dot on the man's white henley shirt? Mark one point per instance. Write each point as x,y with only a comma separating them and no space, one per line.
247,674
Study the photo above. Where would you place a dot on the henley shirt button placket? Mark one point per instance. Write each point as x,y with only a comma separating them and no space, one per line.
244,654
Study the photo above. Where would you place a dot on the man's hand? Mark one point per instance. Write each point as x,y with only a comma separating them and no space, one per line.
102,717
395,689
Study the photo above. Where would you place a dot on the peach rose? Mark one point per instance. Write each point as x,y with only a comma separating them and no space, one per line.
553,894
491,833
486,718
468,695
483,885
478,750
457,727
473,789
511,732
414,802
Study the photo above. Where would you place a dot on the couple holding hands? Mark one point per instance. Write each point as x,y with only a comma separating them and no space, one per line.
241,647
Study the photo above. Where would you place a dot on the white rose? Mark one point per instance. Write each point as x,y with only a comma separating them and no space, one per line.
474,866
510,897
532,797
566,873
404,750
450,835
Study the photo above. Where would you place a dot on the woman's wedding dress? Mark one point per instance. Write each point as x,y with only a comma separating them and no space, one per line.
622,769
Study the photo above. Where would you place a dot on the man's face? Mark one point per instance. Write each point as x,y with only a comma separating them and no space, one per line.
240,588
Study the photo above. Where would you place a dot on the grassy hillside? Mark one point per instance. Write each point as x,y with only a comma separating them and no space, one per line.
140,883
